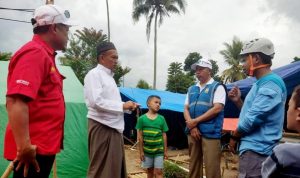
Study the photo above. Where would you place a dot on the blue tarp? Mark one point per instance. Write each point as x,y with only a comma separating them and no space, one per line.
170,101
289,73
171,108
175,102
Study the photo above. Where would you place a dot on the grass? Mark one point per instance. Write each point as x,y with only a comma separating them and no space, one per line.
172,170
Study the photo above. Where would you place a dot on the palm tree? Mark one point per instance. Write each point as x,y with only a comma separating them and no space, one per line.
155,9
108,25
232,57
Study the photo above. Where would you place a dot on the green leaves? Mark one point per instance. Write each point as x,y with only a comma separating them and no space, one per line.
231,54
81,54
190,60
296,59
178,81
119,73
143,84
5,56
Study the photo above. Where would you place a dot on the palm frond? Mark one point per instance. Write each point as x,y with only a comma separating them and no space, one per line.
138,2
140,10
173,9
181,4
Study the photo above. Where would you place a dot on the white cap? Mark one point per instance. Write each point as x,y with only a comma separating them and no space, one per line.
51,14
202,63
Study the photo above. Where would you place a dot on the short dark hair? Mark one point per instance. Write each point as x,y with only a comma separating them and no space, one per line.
41,29
99,56
296,96
265,58
151,97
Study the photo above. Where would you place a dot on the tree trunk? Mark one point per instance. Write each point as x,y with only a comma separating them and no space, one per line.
155,50
108,26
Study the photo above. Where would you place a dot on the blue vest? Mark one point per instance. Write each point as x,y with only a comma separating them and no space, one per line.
200,103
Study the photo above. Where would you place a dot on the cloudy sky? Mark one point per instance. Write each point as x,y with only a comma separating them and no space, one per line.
205,26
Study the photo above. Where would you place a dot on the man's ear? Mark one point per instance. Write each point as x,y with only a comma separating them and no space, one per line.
257,59
298,114
53,28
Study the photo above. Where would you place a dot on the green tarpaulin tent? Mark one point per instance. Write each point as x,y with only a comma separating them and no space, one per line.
73,160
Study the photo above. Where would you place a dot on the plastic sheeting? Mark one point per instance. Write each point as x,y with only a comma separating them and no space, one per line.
169,100
289,73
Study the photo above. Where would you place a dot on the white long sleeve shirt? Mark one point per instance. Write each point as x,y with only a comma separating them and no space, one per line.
103,98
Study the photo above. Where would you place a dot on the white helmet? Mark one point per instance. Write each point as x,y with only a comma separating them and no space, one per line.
262,45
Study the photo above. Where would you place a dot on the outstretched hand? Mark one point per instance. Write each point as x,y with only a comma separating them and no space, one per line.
130,105
26,157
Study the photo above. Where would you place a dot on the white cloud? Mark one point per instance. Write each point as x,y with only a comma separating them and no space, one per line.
204,28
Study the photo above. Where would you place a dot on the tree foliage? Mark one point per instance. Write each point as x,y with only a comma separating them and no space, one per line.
181,78
215,70
296,59
143,84
232,58
5,56
81,54
190,60
156,9
178,81
195,57
119,73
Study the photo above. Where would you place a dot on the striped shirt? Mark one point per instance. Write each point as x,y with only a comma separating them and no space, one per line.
153,130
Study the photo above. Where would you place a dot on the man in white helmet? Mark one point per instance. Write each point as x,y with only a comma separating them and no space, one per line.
262,112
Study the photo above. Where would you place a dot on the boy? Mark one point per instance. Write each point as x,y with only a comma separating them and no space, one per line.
152,138
285,160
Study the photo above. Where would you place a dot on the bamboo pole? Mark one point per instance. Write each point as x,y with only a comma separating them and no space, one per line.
8,170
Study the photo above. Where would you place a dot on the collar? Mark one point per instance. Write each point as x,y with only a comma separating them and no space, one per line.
46,46
209,82
107,70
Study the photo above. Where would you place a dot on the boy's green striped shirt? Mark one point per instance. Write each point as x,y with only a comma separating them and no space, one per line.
152,134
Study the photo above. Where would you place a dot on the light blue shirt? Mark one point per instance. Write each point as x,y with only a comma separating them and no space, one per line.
262,115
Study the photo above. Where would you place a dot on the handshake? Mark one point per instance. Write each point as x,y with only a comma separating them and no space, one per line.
130,105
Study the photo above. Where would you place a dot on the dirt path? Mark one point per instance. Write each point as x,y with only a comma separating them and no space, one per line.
228,165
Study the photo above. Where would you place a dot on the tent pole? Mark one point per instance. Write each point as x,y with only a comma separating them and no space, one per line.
54,167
